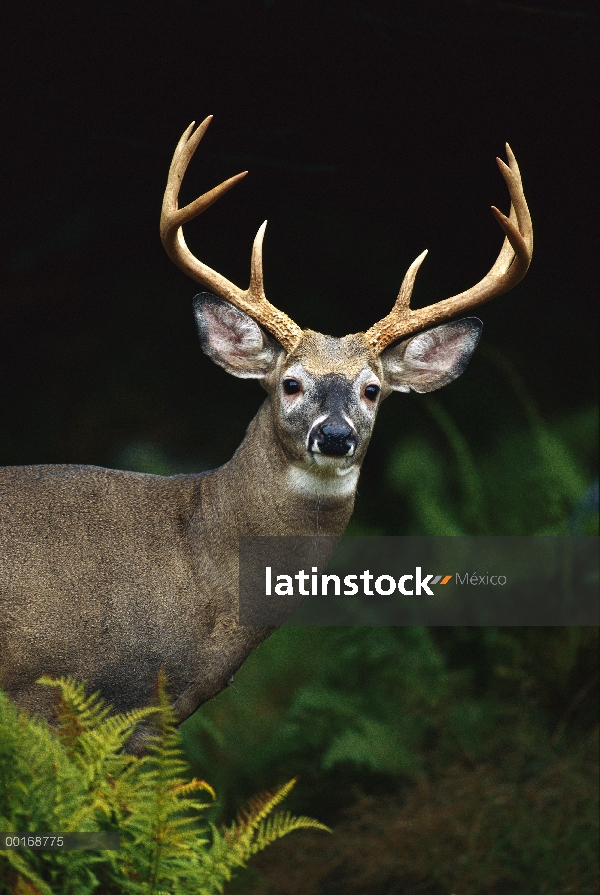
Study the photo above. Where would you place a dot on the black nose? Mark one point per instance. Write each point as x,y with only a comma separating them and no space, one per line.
336,440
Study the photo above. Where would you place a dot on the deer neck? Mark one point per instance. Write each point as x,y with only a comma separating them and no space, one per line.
261,492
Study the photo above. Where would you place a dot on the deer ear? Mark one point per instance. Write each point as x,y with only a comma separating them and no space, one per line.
431,359
232,339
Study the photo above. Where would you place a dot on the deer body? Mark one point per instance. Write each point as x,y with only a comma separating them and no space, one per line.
108,576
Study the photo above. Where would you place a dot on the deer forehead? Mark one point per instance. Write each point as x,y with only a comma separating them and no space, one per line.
320,355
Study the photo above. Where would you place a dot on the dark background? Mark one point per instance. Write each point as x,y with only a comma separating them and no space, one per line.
369,131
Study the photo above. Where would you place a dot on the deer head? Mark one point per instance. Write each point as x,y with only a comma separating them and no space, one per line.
325,391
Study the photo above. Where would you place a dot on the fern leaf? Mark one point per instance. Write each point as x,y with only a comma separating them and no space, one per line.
261,806
256,828
279,825
34,885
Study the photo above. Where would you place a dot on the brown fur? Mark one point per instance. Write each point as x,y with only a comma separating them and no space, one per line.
109,575
320,355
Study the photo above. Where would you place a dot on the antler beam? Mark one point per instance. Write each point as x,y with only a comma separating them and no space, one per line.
251,300
510,267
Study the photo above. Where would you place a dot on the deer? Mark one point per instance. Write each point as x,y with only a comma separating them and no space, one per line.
109,576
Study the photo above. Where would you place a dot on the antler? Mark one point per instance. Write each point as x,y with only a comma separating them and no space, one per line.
251,300
510,267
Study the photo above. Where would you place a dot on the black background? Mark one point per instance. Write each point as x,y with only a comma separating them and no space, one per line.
369,131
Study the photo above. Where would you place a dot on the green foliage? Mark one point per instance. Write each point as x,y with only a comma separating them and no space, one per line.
490,730
393,700
254,829
482,829
79,779
536,479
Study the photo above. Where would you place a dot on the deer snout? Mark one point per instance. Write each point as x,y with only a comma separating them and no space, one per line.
333,438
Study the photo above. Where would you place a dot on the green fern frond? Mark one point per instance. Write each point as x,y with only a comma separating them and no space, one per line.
272,828
194,785
83,782
95,745
75,712
256,827
34,885
85,723
259,807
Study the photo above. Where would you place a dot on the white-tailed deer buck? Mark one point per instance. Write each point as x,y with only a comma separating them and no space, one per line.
108,576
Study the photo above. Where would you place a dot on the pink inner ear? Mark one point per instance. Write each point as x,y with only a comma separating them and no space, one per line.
439,349
221,336
432,359
231,332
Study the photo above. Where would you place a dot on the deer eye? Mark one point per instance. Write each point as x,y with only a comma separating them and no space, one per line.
371,392
291,386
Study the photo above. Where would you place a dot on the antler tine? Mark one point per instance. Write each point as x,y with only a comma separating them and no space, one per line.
172,216
252,300
509,268
256,266
383,333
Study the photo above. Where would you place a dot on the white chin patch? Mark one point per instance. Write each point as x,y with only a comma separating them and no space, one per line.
332,461
328,479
